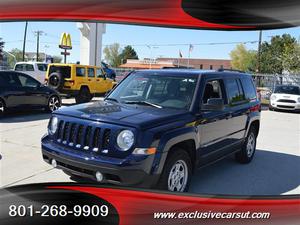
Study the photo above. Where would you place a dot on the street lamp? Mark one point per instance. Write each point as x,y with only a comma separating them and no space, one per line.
151,48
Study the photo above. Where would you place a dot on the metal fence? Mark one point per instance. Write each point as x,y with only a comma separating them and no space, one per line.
269,81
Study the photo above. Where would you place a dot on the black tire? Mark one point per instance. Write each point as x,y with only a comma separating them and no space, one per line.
83,96
56,81
246,154
54,104
175,156
2,108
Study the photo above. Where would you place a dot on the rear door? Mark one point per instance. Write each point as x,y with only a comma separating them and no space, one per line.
103,84
81,76
238,108
92,79
12,90
33,92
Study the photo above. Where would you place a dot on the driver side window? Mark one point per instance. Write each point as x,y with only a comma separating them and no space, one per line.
213,89
27,81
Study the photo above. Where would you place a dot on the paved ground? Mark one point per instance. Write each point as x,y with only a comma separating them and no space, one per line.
275,169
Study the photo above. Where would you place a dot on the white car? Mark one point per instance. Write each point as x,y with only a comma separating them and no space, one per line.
36,70
285,97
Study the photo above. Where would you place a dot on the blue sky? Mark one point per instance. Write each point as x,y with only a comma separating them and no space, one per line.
138,36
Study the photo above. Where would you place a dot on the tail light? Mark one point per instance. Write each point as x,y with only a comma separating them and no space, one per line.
72,82
255,108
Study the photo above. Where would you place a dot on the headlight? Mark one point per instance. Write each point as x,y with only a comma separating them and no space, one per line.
53,125
299,99
273,97
125,140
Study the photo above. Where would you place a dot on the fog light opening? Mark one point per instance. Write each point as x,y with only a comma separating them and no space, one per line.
54,163
99,176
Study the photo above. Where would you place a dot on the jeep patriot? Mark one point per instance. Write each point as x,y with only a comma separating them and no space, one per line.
156,127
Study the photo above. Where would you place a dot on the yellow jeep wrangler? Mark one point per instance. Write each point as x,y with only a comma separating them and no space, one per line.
79,81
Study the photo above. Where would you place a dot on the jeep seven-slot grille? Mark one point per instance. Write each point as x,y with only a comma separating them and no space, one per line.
83,137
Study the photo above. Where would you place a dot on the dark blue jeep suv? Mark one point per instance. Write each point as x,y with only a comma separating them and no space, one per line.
156,127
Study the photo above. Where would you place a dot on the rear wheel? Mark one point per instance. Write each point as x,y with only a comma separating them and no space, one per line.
248,149
177,172
2,108
53,104
83,96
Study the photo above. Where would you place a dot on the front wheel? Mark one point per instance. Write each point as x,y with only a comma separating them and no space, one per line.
83,96
176,175
248,149
53,104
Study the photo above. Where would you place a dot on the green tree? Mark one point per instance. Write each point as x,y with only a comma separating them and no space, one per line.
57,59
18,54
281,55
112,54
243,59
1,49
128,53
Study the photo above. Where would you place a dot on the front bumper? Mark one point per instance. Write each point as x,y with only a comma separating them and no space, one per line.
285,106
132,171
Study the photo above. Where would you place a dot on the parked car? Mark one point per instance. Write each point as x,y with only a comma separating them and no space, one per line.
19,91
79,81
110,73
156,127
37,70
285,97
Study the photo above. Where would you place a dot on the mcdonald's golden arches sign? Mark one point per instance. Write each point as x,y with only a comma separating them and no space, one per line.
65,41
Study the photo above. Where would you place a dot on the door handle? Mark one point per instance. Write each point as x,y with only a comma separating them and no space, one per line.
89,80
97,80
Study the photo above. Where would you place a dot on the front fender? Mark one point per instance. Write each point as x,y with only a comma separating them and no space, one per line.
170,139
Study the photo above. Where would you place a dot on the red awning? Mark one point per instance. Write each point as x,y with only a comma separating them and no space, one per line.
200,14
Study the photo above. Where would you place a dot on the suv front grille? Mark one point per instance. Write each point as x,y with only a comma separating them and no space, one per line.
82,137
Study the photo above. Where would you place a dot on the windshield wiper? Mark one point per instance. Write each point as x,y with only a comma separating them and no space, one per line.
111,99
143,103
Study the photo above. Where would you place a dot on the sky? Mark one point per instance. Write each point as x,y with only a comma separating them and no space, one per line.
165,42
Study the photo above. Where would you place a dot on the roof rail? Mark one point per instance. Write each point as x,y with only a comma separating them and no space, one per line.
231,70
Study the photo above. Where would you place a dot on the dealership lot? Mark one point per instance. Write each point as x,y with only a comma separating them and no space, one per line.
275,169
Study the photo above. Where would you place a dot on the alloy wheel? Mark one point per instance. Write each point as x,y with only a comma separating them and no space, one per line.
54,103
250,144
178,176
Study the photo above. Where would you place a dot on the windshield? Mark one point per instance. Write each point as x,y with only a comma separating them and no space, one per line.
161,91
42,67
292,90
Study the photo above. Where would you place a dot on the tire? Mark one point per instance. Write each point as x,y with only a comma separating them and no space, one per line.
2,108
248,149
178,158
56,81
83,96
53,104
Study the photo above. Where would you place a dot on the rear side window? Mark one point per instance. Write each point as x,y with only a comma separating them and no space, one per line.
29,67
10,79
3,80
42,67
19,67
249,89
100,73
80,71
64,70
234,93
91,72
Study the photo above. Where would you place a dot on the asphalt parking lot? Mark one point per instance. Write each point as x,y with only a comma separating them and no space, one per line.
275,169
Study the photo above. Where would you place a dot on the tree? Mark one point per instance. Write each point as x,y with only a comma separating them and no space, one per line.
128,53
1,49
243,59
18,54
112,54
281,55
57,59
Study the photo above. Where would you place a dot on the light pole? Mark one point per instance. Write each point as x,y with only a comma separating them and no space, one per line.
151,48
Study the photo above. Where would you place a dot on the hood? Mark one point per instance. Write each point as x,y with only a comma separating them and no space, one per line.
143,117
286,96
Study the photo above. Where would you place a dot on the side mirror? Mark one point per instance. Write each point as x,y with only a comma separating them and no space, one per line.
214,104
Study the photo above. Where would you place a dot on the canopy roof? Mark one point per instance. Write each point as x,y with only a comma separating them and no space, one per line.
198,14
